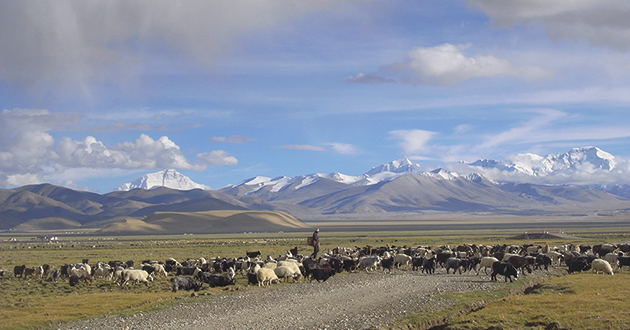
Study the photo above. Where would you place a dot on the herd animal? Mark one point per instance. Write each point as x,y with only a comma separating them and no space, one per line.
509,261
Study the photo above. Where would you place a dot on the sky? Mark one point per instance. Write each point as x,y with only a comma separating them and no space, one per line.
96,93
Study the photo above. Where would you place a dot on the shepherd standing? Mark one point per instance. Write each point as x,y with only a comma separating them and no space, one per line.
315,243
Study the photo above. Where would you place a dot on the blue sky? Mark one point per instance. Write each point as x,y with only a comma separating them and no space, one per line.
96,93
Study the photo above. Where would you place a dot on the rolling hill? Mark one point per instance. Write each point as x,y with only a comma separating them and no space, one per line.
217,222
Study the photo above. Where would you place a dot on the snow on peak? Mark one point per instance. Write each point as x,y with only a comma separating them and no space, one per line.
166,178
597,157
255,181
440,173
397,166
541,166
571,160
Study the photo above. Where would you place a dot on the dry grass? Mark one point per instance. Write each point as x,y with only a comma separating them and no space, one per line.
577,301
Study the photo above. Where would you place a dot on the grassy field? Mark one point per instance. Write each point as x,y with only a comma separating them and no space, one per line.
577,301
34,303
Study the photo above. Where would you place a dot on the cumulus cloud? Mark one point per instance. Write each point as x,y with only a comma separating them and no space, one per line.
25,141
232,139
602,23
217,158
446,64
371,78
28,152
413,142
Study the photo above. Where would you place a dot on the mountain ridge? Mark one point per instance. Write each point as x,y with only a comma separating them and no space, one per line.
396,190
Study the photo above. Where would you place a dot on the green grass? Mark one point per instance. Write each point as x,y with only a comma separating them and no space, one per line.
33,303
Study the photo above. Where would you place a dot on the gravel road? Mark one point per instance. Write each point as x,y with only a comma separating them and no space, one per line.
346,301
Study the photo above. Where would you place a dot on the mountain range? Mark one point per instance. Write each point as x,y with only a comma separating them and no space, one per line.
397,190
536,165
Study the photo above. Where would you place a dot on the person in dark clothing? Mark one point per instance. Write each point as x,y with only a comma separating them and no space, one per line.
315,243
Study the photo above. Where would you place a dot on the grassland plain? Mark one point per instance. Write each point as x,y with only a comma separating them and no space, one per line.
577,301
35,303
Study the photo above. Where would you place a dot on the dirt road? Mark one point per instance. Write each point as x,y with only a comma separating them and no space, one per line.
346,301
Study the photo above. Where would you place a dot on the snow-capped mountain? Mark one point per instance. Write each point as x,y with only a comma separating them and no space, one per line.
577,159
403,185
385,172
167,178
400,166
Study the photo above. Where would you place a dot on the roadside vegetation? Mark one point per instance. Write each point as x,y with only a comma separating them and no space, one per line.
36,303
577,302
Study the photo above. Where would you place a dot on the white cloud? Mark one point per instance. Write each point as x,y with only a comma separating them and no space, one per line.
23,179
344,148
413,142
463,128
602,23
25,141
525,131
302,147
75,42
217,158
29,153
232,139
126,127
371,78
144,152
340,148
446,64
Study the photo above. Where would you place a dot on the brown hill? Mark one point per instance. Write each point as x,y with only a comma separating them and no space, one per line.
35,202
131,226
207,222
46,224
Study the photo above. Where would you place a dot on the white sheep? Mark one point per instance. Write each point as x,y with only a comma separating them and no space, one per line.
486,262
266,275
159,270
611,258
136,276
369,262
421,252
601,265
285,272
270,265
104,272
79,272
402,260
291,264
555,257
532,249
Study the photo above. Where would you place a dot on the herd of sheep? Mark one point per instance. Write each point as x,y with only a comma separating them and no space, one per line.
192,274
